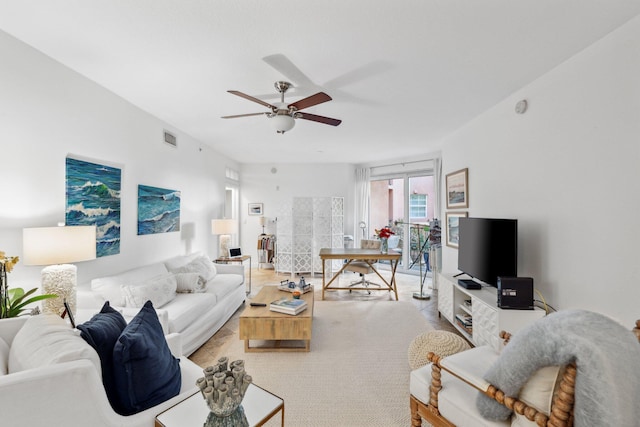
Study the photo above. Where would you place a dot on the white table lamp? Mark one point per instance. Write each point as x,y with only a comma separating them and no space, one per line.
224,228
55,247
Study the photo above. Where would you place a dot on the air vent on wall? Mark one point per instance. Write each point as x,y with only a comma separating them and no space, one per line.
170,139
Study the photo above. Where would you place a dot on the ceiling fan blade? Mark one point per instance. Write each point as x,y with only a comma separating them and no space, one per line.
283,65
357,75
251,98
310,101
319,119
242,115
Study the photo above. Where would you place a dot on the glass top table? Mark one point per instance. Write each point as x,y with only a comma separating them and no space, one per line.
258,404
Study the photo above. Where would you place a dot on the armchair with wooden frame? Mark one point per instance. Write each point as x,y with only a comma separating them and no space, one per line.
444,393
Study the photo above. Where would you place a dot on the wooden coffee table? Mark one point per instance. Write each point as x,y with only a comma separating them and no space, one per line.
260,323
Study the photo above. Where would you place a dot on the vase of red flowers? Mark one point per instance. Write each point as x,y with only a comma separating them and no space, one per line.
383,234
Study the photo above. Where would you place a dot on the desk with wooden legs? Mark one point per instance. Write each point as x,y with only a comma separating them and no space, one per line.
370,256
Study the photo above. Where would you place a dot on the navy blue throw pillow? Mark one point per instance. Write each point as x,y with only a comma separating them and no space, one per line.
102,332
145,371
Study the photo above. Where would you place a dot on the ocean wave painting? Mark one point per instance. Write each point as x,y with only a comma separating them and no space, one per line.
158,210
93,198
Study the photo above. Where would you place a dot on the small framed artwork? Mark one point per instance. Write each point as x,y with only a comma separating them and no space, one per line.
255,209
457,184
453,227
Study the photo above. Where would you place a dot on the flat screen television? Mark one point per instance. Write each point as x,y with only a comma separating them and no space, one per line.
488,248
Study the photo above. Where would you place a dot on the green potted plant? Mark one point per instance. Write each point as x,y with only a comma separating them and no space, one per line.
13,302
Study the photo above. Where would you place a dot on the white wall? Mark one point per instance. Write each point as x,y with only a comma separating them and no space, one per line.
48,112
261,185
569,171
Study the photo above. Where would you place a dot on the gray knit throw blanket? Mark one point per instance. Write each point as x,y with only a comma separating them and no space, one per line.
607,357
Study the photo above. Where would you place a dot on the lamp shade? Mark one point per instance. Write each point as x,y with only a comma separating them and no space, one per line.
224,226
58,245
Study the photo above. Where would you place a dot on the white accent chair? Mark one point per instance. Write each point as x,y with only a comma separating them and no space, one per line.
362,267
444,392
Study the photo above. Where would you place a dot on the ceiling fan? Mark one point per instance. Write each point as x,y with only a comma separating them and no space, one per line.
283,116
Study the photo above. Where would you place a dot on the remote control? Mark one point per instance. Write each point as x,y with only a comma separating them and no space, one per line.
257,304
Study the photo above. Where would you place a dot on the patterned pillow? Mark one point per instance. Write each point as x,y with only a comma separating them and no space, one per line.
201,265
190,282
159,290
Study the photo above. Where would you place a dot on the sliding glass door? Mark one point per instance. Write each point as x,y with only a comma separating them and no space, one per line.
404,202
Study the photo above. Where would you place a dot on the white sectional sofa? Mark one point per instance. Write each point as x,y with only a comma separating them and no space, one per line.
52,377
195,315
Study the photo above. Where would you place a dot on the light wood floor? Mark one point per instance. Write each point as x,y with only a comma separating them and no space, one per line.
407,285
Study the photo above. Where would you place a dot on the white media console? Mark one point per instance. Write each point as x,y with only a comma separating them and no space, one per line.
456,303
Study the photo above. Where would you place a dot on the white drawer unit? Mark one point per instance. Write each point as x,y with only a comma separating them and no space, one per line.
475,313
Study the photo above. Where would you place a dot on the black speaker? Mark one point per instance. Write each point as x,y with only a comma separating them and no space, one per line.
515,293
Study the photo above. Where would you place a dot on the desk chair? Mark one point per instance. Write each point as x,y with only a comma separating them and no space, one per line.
361,267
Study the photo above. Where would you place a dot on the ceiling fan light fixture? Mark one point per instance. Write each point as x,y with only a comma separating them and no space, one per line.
282,123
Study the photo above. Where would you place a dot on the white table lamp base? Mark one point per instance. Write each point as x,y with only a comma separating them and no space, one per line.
225,239
60,280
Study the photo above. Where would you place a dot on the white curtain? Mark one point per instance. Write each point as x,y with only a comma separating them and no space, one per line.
361,203
437,178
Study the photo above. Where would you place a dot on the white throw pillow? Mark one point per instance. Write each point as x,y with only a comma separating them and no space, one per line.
109,287
182,260
159,290
207,266
47,339
201,265
538,393
189,283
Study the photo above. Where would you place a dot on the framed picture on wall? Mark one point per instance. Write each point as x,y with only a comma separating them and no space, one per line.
158,210
457,184
453,227
255,209
93,198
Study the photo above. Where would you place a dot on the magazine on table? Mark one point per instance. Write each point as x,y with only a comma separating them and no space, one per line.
288,306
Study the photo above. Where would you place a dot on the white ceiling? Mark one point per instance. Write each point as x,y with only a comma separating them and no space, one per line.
402,74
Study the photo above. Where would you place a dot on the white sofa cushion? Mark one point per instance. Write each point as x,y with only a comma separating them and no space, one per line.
109,287
456,402
186,309
419,383
472,364
223,284
159,290
4,357
45,340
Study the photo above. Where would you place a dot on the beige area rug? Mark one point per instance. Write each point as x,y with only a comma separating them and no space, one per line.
357,372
